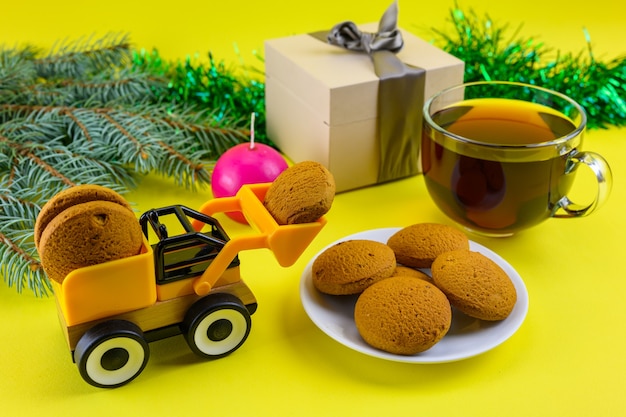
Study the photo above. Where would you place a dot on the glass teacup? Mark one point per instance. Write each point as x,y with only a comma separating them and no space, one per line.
499,157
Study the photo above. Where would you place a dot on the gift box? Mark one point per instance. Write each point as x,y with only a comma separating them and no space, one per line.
322,104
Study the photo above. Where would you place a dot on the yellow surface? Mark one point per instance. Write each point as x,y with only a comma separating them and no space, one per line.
568,358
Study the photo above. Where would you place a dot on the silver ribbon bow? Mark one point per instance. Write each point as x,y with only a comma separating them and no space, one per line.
347,35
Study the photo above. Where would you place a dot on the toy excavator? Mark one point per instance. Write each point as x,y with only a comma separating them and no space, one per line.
186,284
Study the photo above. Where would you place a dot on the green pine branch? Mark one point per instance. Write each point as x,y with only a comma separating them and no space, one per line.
84,56
16,245
84,113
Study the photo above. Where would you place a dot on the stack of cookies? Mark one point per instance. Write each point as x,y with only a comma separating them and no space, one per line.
400,308
82,226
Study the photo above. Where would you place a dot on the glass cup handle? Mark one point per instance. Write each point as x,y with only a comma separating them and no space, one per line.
566,207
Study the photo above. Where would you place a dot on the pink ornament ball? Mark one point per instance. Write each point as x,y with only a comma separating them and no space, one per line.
245,163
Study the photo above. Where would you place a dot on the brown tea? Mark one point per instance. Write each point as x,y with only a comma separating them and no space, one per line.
503,188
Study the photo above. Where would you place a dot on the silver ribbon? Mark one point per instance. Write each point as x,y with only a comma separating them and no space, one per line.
400,92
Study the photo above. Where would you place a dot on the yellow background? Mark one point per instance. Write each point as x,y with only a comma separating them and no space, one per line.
568,358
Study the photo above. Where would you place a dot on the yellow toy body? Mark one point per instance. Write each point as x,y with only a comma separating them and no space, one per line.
107,289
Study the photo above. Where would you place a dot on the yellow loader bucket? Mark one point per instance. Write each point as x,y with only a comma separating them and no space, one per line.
287,242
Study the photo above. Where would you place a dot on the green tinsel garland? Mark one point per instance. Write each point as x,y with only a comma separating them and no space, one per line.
209,86
600,87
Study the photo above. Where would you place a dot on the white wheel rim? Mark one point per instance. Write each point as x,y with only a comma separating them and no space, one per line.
136,356
214,348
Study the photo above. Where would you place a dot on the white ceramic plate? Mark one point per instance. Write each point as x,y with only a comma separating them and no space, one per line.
467,337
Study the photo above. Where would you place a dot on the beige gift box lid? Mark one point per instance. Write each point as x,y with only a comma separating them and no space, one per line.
317,93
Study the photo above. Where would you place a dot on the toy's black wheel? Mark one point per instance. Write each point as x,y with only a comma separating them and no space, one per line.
111,354
216,325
